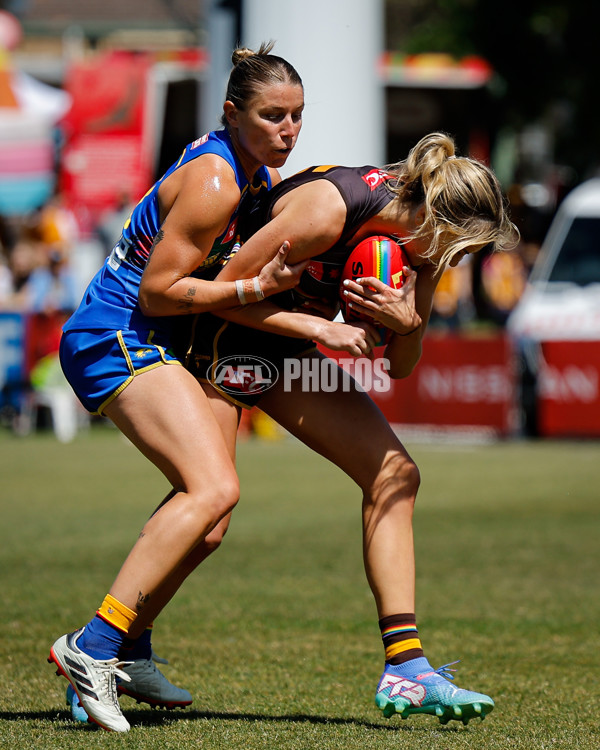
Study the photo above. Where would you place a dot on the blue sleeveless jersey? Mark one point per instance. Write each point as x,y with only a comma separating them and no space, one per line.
111,300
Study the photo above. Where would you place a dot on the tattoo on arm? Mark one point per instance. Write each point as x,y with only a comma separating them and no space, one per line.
160,235
185,303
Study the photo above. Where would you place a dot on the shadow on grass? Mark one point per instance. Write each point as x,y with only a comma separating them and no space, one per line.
157,717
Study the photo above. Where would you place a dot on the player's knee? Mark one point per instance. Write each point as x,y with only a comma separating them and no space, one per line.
409,477
213,540
208,506
399,480
212,543
225,497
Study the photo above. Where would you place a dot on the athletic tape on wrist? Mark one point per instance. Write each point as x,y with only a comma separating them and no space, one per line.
260,295
248,287
239,288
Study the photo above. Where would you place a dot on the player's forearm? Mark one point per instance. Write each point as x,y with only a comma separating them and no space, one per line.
189,296
403,353
273,319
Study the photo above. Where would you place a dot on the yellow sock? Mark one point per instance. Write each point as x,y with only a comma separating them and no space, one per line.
117,614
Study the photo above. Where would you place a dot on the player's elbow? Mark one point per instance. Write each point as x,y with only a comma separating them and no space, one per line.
150,302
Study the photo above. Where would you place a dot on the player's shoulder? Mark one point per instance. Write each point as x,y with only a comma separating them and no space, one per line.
209,174
318,199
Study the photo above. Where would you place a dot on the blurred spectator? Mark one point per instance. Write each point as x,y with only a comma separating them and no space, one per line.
56,225
35,268
6,282
23,258
36,279
503,279
51,286
529,250
453,299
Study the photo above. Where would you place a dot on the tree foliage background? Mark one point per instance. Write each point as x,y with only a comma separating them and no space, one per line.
545,54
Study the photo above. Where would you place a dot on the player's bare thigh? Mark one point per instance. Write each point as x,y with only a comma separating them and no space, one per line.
227,415
167,416
228,418
344,426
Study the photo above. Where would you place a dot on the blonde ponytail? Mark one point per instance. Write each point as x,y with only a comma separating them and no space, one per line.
464,205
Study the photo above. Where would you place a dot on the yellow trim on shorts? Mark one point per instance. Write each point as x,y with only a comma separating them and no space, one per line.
190,345
217,388
133,371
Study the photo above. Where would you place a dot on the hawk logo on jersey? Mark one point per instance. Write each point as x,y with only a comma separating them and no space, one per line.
375,177
230,233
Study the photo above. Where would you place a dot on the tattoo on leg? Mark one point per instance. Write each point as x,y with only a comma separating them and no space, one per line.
142,600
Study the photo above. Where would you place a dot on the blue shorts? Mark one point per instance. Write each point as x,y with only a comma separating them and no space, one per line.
101,364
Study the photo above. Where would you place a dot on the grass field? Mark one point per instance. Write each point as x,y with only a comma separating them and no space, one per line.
276,636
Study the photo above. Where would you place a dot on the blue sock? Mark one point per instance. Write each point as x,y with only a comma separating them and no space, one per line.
100,640
138,649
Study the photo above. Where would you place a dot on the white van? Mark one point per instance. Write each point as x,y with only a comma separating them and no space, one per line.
562,304
562,299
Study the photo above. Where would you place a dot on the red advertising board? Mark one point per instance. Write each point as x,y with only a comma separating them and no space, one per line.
106,156
460,382
569,389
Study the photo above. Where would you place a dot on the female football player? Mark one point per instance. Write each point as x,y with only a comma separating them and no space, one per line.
442,207
116,352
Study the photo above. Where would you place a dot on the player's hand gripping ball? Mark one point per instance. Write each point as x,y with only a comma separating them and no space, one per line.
381,257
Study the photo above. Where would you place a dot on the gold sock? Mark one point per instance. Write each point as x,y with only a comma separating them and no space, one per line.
117,614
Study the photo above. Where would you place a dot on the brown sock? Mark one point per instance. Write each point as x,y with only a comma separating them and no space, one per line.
400,638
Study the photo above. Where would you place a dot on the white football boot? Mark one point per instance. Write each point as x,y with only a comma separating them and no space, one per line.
94,681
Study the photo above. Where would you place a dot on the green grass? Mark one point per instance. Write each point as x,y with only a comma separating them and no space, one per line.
276,635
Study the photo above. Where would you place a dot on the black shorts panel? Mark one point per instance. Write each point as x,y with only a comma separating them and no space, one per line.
240,363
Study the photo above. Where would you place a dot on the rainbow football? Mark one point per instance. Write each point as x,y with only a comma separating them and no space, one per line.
381,257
